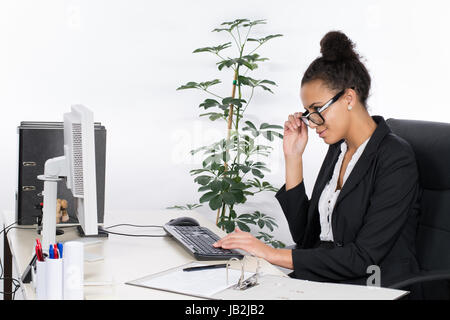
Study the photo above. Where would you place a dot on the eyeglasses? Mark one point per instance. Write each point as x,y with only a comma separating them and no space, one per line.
316,116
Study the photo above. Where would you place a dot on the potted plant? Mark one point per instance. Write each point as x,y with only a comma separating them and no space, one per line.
230,171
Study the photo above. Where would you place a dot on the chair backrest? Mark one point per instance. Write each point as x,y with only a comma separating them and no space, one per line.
431,144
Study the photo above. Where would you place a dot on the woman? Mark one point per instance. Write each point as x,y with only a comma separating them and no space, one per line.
364,206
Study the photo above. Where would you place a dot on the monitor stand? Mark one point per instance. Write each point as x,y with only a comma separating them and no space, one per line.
101,233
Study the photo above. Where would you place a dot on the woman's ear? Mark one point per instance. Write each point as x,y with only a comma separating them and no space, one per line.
350,96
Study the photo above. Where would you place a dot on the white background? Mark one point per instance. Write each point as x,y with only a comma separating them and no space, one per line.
124,59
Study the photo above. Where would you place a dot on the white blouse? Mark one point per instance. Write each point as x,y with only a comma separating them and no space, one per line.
329,196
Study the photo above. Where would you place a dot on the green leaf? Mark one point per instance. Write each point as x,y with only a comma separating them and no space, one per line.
204,188
265,39
202,180
250,124
235,23
239,186
215,49
205,85
189,85
243,226
237,102
202,85
244,169
247,81
213,116
267,134
224,185
216,202
238,195
269,126
187,207
254,57
226,63
221,29
255,22
245,216
268,82
207,196
229,226
277,134
215,185
245,62
228,198
266,88
209,103
257,173
261,223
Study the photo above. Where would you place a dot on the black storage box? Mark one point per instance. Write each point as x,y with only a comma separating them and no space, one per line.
38,142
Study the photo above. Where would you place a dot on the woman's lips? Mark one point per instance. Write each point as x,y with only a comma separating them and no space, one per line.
322,133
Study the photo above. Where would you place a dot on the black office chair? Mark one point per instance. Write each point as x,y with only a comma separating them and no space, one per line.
431,144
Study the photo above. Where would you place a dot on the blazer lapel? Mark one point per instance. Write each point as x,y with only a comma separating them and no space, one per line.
364,162
358,171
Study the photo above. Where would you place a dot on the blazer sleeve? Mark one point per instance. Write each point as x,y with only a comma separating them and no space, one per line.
394,193
295,205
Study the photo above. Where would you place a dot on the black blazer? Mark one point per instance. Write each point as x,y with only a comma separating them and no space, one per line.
374,220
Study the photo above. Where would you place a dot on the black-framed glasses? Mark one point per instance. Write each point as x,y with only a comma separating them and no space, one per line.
316,117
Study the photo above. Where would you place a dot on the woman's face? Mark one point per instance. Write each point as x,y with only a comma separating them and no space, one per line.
337,117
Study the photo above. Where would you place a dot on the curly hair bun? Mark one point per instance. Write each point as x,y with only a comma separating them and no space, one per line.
336,46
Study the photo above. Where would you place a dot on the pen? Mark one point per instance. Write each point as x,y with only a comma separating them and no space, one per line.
60,249
37,254
39,250
50,252
213,266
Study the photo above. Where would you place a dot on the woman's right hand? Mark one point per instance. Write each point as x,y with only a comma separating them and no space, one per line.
295,136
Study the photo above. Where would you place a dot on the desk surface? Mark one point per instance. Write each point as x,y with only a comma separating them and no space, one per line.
124,258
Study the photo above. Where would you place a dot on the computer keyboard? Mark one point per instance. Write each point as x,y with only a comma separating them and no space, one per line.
199,242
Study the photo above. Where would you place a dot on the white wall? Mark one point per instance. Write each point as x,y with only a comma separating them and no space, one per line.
125,58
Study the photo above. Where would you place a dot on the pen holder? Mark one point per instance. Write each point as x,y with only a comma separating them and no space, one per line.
40,279
54,279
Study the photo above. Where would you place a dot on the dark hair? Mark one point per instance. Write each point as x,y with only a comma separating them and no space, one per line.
339,66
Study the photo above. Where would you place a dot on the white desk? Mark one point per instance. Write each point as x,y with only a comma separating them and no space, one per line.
125,258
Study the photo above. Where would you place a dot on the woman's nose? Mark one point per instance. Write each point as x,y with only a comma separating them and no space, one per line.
312,125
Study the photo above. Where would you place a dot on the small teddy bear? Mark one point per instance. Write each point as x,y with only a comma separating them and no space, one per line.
61,211
64,213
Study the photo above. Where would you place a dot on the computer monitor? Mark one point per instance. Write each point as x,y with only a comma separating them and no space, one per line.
77,166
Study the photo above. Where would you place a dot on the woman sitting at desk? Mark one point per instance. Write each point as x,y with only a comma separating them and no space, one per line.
364,207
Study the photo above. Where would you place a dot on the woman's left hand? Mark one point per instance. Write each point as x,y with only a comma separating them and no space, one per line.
245,241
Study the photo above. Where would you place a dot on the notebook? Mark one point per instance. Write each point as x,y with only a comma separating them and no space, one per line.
203,283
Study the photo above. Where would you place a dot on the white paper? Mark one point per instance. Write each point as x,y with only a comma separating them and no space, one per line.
199,283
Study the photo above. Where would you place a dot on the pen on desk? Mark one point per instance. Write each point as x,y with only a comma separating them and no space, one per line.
37,253
51,252
39,250
60,249
55,251
213,266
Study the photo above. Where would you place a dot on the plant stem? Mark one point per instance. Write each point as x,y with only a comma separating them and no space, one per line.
217,217
239,35
223,212
246,37
235,41
213,94
255,49
248,102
